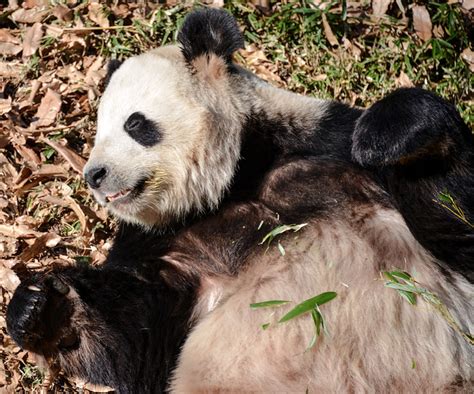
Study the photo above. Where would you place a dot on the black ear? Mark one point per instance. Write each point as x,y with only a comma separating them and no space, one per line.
112,66
407,125
210,31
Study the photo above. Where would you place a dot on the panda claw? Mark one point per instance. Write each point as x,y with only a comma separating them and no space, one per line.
37,314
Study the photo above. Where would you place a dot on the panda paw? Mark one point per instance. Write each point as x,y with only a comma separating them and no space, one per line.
408,125
39,315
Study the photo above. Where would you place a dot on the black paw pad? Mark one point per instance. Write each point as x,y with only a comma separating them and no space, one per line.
38,316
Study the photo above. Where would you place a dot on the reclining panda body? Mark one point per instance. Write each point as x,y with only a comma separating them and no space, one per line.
204,151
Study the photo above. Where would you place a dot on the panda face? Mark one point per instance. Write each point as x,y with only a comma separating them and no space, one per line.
158,143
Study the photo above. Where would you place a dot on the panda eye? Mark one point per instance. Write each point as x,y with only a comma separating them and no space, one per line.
141,129
134,121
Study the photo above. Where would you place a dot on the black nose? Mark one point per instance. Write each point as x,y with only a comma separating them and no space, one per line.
95,176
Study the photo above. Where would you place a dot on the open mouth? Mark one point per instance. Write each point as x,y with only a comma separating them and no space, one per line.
127,194
117,196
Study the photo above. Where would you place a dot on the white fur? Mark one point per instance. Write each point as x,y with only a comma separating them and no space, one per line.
191,167
378,342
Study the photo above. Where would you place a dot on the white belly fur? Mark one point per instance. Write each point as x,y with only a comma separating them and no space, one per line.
378,342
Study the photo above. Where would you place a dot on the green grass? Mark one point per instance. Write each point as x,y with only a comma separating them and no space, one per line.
364,67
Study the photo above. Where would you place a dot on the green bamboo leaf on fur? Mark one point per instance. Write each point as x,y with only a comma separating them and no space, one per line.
268,304
280,230
402,275
281,249
308,305
400,286
410,297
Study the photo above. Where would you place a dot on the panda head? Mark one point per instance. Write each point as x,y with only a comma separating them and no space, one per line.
168,131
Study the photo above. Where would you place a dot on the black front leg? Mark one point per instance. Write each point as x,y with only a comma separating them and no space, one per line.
424,153
106,326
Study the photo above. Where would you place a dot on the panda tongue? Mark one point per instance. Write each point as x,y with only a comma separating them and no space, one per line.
121,193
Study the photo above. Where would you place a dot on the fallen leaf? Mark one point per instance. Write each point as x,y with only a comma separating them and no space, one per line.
96,73
6,36
467,4
11,69
121,10
34,3
69,202
380,7
48,109
48,240
28,154
264,73
63,13
8,279
97,14
438,31
468,56
33,15
5,105
422,22
328,32
18,231
32,39
76,161
9,49
403,80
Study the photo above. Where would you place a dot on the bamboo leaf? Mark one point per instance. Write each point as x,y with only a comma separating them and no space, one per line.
281,249
308,305
268,304
280,230
402,275
410,297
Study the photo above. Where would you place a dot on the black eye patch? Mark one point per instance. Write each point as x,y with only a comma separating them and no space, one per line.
143,130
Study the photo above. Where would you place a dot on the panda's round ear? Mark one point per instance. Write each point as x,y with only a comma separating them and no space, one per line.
210,31
112,66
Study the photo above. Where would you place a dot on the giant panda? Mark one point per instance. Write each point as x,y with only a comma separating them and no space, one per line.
200,159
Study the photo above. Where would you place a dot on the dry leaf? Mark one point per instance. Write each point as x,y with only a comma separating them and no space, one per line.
328,32
121,10
48,109
438,31
82,384
76,161
467,4
403,81
34,3
33,15
96,72
9,49
11,69
68,202
422,22
264,73
380,7
5,105
8,279
97,15
63,13
18,231
32,39
6,36
48,240
468,56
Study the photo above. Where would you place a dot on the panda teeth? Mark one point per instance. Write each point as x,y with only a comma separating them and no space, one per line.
120,194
